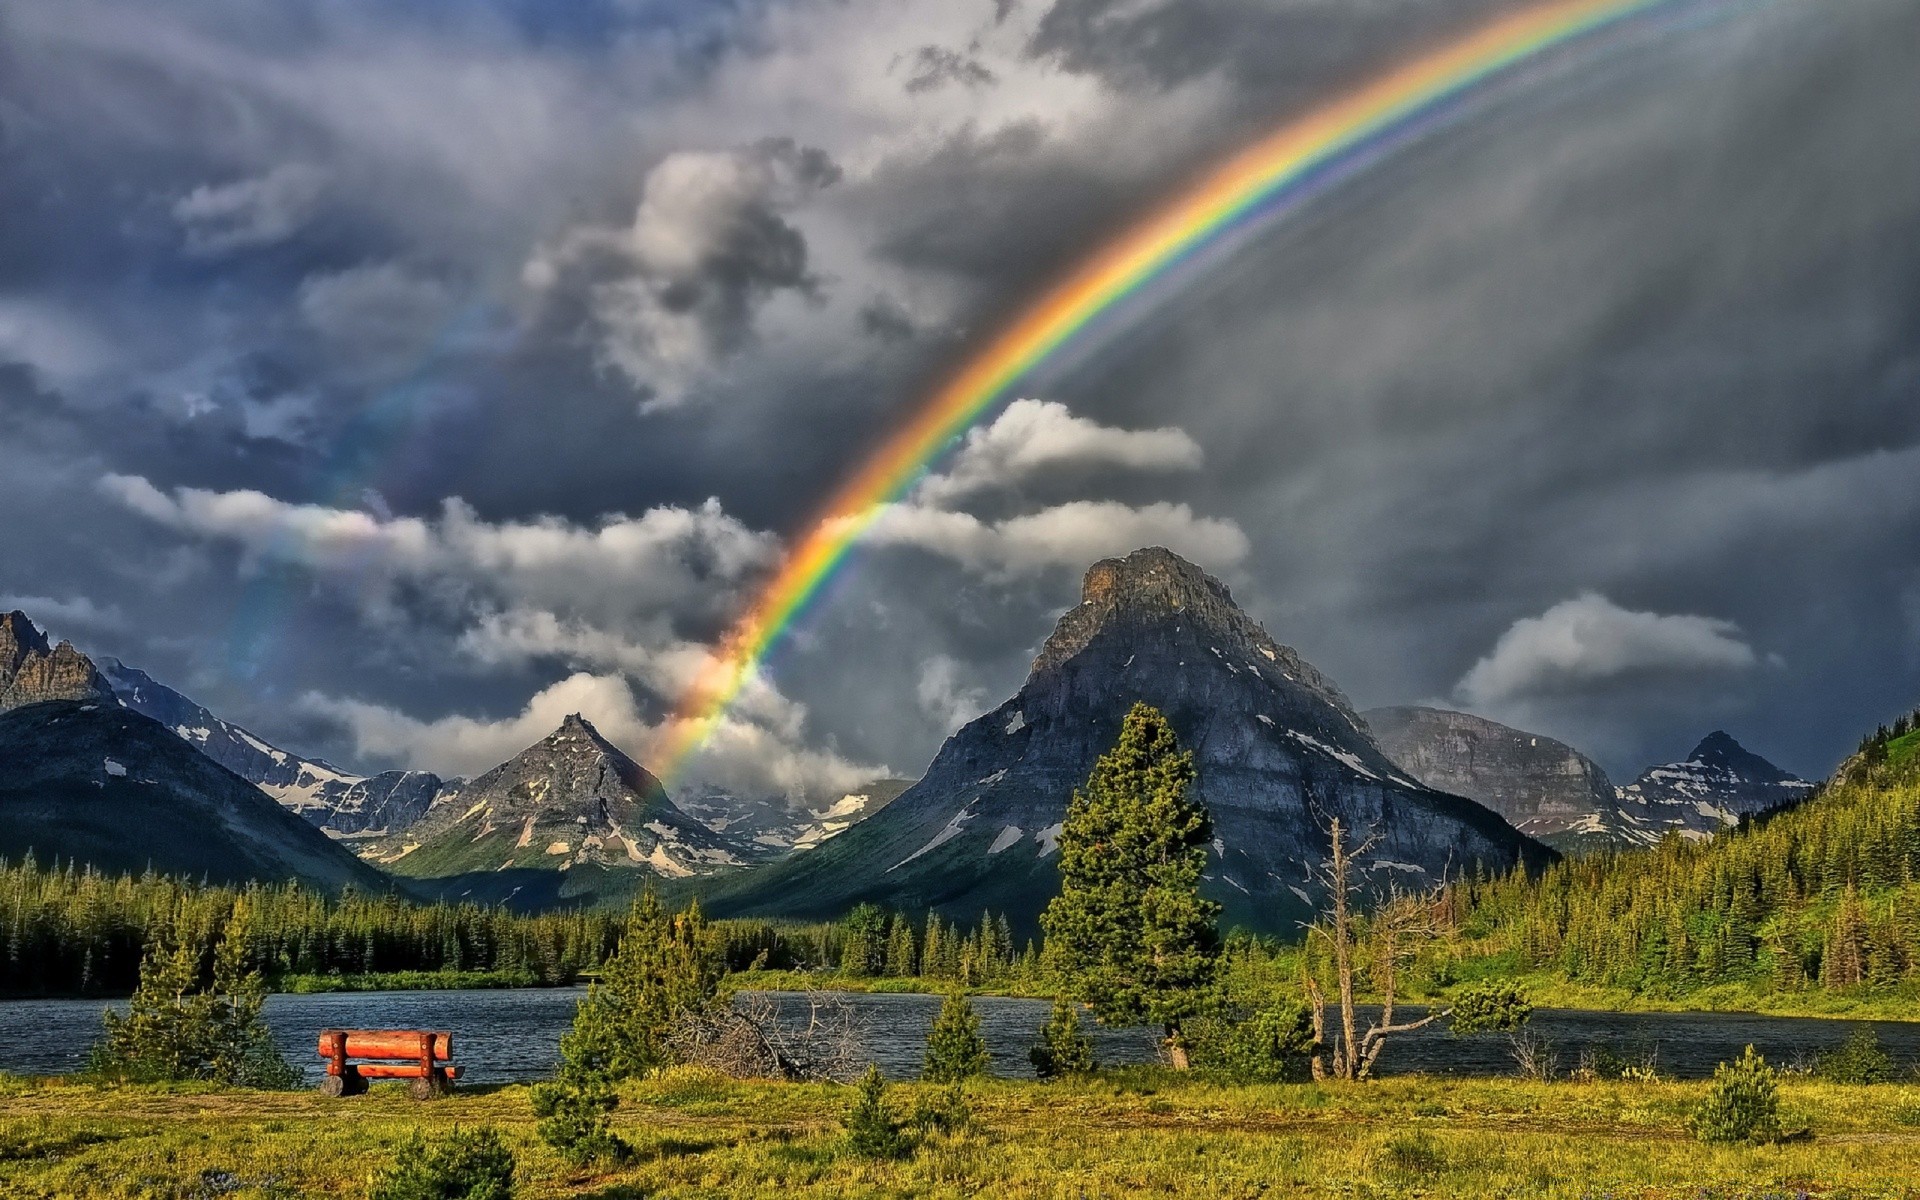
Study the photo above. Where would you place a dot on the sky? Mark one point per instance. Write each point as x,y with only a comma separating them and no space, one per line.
396,379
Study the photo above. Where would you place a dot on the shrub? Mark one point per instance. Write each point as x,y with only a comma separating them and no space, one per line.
1493,1004
463,1164
955,1049
872,1131
1743,1105
946,1111
575,1114
1859,1059
1269,1045
176,1030
1063,1048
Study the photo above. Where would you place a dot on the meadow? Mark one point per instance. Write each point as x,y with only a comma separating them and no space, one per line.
1139,1132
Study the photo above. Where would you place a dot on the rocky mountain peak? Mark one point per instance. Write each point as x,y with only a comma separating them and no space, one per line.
32,672
1719,750
1154,586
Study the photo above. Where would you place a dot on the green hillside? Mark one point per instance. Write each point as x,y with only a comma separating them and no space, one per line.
1823,899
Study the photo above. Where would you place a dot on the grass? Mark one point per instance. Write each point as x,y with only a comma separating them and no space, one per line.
404,981
1139,1132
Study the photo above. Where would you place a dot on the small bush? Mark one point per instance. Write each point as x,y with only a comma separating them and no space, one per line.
1063,1048
575,1114
872,1131
1743,1105
955,1049
1268,1045
463,1164
1859,1059
1492,1005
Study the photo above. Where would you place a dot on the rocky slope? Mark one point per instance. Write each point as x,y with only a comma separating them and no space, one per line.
1278,748
1544,788
570,804
96,783
32,671
338,801
1553,792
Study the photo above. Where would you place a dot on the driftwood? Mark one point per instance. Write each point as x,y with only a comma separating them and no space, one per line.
747,1039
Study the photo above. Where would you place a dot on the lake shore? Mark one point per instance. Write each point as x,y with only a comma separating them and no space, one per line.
1137,1131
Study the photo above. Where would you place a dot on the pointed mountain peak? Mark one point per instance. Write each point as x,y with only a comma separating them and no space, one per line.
19,637
1719,749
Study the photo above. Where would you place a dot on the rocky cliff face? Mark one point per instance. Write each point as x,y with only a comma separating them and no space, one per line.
340,802
1555,793
1543,787
95,783
773,825
1718,784
32,671
570,801
1279,751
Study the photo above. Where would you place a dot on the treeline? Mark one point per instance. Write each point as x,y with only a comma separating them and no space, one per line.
74,931
873,942
1824,895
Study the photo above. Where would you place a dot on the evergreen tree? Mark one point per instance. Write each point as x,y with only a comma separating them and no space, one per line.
865,949
1064,1048
1129,932
872,1129
901,961
664,967
955,1049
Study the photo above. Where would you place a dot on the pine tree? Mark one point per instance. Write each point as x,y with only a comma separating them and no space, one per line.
1064,1049
900,957
955,1049
1129,932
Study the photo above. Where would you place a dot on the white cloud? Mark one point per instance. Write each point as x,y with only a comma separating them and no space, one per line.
259,211
52,614
739,755
1032,436
675,293
942,697
667,560
1072,535
1590,640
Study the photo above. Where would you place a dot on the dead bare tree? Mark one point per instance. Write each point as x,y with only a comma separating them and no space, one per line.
750,1038
1395,934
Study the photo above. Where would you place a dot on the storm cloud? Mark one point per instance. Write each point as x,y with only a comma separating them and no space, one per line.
390,380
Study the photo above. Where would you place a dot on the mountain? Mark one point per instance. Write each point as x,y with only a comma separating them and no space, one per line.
335,800
1544,788
93,782
1279,750
571,804
1718,784
1553,792
772,825
31,671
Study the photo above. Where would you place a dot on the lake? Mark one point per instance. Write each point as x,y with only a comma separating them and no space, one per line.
512,1035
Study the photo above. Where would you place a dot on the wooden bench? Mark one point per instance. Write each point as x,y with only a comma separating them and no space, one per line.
416,1055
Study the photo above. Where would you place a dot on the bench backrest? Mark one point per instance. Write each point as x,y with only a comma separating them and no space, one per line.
387,1043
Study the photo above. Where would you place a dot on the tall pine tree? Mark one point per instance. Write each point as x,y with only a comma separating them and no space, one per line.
1129,932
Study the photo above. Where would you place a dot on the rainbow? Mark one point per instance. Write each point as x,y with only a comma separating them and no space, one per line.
1277,173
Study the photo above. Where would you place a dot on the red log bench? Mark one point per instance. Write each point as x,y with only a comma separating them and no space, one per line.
416,1055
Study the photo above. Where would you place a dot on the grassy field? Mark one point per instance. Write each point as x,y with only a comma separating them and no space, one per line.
1144,1133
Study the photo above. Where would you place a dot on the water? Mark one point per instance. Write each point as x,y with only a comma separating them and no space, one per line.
512,1036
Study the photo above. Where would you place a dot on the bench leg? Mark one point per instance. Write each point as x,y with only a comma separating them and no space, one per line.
348,1083
427,1087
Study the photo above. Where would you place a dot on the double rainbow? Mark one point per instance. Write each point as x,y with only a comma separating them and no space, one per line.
1257,184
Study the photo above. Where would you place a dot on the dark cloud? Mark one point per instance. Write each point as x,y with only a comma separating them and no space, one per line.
1640,325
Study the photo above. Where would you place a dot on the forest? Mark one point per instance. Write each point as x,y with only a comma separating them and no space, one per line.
1825,895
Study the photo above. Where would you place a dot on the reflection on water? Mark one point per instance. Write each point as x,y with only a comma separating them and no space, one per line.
512,1036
